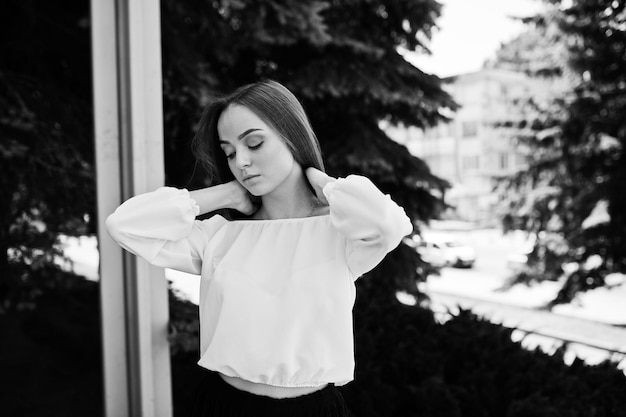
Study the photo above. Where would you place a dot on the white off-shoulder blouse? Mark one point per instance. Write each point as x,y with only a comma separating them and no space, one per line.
276,296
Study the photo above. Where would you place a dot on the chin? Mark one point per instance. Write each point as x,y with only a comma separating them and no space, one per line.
256,190
256,193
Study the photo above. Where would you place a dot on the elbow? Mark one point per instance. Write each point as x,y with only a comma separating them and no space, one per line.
406,227
112,224
397,229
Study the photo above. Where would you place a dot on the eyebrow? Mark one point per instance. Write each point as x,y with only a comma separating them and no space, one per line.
243,135
246,133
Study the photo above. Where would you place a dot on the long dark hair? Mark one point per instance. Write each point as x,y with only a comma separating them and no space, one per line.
277,107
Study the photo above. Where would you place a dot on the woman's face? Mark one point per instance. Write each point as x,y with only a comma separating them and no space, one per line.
257,155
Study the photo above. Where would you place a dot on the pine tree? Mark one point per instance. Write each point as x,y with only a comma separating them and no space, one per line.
575,183
340,58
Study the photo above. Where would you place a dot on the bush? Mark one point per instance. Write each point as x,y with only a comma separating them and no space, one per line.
50,354
407,365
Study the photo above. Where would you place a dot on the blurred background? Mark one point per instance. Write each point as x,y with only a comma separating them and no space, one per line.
498,125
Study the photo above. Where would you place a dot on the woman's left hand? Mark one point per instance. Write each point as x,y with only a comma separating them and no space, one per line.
318,180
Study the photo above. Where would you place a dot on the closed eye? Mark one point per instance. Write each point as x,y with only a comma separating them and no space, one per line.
257,146
229,152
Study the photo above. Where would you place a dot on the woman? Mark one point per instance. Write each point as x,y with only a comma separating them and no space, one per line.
277,282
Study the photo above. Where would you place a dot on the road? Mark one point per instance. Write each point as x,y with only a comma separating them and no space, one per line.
482,290
589,340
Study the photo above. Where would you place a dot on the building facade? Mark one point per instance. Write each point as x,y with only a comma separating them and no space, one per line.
474,148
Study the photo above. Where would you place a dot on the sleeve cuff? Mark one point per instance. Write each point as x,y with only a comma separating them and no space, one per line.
329,189
194,205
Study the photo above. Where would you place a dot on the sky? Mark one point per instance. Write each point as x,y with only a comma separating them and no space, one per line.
470,31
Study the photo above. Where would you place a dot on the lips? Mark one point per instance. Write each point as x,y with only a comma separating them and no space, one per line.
249,177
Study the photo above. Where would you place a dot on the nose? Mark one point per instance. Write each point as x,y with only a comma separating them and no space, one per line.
242,159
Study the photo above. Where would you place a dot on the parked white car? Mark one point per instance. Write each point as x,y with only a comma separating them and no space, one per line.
445,251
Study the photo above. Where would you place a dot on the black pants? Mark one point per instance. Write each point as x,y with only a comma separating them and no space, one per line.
216,398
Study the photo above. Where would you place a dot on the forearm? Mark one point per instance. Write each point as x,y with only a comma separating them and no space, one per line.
216,197
360,211
161,227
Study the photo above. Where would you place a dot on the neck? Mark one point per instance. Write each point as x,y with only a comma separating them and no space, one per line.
291,200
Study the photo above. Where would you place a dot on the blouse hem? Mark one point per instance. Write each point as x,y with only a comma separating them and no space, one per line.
274,384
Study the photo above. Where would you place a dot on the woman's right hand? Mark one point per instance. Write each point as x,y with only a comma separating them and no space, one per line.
241,199
229,195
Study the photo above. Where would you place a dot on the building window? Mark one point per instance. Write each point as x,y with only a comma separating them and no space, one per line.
520,161
469,129
471,162
431,133
504,91
503,161
444,130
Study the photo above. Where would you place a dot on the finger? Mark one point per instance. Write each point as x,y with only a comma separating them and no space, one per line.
318,180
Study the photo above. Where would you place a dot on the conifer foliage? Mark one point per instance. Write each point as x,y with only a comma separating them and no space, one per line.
340,58
46,146
574,191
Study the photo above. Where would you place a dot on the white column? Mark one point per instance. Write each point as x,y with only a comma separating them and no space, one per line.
126,46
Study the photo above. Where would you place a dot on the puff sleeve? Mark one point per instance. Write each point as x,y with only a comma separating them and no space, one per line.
371,222
160,227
